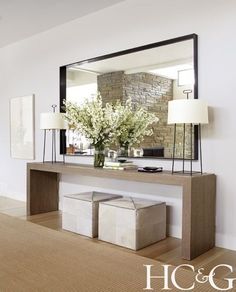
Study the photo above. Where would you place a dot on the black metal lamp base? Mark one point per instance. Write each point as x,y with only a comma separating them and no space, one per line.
183,171
187,172
54,156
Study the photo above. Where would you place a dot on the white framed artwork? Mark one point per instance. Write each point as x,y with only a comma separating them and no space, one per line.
22,115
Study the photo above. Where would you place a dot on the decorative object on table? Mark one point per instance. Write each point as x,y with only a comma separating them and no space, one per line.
70,138
133,125
51,121
112,155
71,149
99,156
80,212
131,222
154,151
150,169
121,160
106,124
127,165
138,152
187,111
80,152
96,121
22,127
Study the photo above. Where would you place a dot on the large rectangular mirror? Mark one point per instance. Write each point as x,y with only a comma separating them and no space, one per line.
150,76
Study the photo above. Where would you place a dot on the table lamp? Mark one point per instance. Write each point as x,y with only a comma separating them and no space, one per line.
51,121
187,111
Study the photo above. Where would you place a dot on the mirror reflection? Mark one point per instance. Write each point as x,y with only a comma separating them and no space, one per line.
148,78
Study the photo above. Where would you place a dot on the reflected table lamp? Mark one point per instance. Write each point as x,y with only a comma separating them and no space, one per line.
192,112
53,122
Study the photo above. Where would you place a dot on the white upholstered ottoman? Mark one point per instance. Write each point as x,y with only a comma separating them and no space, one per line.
131,222
80,212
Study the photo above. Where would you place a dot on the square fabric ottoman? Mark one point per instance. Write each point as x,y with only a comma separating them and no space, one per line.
80,212
131,222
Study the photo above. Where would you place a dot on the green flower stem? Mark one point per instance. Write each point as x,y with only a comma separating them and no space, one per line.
99,156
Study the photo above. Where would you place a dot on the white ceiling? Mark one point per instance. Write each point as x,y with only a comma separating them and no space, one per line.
20,19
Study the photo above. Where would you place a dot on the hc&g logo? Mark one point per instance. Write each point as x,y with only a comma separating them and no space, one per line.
199,278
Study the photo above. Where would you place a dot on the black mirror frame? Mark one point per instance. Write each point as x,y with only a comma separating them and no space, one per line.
62,72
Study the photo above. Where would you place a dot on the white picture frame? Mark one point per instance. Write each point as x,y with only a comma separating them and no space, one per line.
22,127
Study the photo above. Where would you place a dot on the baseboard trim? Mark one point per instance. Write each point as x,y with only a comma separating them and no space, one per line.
226,241
14,196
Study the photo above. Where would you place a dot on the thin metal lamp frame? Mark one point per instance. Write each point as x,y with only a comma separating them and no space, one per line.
183,171
53,146
187,92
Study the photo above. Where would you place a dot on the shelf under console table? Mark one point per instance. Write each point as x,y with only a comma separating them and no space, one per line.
198,202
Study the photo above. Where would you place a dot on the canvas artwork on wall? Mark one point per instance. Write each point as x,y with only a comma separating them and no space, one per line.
22,127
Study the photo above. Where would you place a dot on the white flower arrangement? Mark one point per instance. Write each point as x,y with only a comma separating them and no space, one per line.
95,121
106,124
133,124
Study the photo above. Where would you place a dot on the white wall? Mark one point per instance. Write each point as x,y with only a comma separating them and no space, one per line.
31,66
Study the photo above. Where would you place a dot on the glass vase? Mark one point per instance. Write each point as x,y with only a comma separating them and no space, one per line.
124,150
99,156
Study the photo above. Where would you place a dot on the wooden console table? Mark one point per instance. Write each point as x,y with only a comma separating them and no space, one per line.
199,196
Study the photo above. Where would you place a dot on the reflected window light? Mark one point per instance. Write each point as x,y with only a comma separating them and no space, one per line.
81,93
185,77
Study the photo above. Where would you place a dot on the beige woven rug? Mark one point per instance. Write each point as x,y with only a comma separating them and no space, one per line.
35,258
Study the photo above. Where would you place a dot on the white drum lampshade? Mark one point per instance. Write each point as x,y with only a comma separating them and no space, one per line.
187,111
52,121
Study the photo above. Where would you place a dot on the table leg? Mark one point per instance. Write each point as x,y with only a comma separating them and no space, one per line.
198,223
42,191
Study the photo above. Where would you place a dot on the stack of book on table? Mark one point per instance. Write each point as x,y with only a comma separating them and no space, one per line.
119,165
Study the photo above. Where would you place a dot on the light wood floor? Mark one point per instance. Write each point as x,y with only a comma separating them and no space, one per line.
167,251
